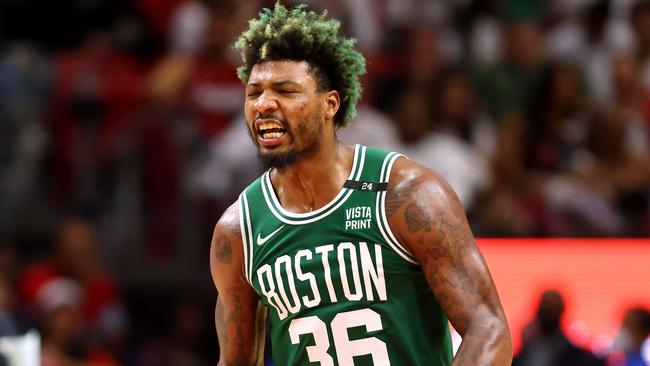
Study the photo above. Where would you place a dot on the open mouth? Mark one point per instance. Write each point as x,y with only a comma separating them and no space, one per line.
270,129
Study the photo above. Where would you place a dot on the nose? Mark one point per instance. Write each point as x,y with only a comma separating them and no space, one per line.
266,102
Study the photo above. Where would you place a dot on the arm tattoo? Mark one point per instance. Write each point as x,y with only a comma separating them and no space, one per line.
395,198
234,322
432,223
223,249
223,245
238,321
414,220
445,246
237,302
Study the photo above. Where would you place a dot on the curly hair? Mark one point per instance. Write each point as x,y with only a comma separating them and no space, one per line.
301,34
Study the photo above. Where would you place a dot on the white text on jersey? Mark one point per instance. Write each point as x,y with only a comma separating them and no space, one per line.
367,277
358,218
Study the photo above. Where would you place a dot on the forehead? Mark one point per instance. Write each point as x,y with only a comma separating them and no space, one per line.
273,71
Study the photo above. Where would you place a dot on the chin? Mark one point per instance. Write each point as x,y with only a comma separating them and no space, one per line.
278,159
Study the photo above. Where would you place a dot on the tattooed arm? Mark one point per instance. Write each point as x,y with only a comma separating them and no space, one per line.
427,217
239,316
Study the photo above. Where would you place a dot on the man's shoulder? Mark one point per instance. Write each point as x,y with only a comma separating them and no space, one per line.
412,173
229,220
411,182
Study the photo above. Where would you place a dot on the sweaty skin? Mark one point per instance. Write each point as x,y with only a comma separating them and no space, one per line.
427,217
238,312
422,211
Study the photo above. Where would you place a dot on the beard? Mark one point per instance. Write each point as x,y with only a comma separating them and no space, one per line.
278,161
282,160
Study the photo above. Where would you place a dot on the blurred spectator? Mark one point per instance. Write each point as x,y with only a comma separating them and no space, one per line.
232,163
75,256
8,322
372,128
412,115
213,91
159,14
96,88
597,54
545,145
437,125
640,21
96,295
617,174
417,60
558,121
189,27
565,37
160,141
630,98
544,343
204,81
59,317
194,95
440,14
183,343
456,110
507,85
8,259
483,36
24,84
634,331
407,80
458,143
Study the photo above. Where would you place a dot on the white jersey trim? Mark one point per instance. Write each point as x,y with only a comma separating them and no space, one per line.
247,237
382,220
293,218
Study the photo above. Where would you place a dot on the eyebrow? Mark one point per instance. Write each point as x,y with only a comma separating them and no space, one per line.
275,83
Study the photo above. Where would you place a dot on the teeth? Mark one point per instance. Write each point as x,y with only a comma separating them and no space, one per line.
269,125
272,135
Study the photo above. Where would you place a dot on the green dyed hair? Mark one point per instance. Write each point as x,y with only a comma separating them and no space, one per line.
301,34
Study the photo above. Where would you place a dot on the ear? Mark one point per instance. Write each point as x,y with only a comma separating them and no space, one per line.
332,103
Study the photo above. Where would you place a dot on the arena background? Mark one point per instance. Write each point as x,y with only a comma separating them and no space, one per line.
122,141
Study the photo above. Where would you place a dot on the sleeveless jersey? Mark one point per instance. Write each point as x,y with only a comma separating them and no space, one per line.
340,289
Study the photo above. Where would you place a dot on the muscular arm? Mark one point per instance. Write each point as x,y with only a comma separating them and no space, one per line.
427,217
239,317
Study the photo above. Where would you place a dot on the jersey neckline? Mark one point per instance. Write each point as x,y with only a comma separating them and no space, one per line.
294,218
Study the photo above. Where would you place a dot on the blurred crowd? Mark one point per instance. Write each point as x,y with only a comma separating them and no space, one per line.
122,141
545,342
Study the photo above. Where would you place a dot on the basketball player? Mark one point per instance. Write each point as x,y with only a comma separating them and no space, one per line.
359,256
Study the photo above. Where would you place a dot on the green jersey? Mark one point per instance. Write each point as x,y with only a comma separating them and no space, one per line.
339,287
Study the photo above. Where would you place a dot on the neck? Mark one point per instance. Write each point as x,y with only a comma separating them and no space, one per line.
313,181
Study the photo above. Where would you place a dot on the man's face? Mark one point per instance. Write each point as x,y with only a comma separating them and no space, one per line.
285,112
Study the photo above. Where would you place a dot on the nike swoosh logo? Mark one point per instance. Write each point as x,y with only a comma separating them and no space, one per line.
261,240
